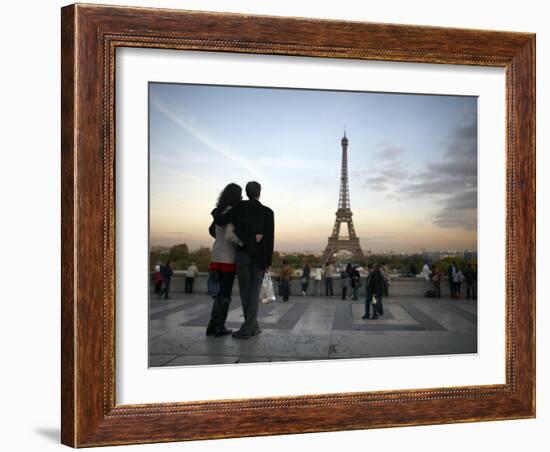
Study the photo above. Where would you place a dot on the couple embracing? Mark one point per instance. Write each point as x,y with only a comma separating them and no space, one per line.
244,233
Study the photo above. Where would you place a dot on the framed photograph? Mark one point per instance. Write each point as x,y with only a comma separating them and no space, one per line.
282,225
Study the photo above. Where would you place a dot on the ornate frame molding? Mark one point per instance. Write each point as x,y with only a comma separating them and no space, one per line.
90,36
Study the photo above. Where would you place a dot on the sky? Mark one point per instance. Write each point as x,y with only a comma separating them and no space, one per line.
412,163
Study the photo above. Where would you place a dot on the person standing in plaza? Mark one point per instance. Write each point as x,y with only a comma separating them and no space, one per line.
317,278
329,271
386,273
284,280
471,282
306,272
190,275
254,226
458,279
355,282
346,283
223,261
450,276
166,272
436,277
426,273
374,287
157,279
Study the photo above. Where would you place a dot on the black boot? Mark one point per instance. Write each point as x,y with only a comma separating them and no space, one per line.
211,328
221,317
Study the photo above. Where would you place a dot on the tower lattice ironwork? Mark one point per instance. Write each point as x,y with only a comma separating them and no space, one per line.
338,241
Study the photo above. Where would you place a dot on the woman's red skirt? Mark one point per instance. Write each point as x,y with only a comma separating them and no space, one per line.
223,267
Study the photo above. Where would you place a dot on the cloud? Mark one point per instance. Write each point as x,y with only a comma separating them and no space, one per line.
450,181
390,153
459,211
387,169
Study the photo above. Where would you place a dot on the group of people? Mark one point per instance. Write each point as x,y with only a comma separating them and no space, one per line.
455,277
162,279
350,280
243,246
316,274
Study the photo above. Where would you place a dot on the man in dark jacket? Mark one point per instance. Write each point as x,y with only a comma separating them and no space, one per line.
471,282
166,272
254,225
374,287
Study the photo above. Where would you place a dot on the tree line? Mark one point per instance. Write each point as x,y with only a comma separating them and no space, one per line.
180,258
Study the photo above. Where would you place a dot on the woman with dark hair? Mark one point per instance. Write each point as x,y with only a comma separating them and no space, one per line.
223,260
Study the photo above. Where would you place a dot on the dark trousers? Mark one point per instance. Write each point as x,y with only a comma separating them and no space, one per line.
285,289
222,300
344,291
376,308
158,287
305,285
471,291
328,287
452,288
355,290
165,291
250,278
189,284
437,289
386,288
225,280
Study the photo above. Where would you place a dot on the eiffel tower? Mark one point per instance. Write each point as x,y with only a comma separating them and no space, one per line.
338,242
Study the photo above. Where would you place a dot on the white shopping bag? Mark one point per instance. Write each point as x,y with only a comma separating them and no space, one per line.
267,294
374,300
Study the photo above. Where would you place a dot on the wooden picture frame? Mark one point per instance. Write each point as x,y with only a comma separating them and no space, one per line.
90,35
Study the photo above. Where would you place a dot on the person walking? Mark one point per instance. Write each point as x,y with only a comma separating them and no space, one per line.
306,272
471,282
190,275
166,272
329,272
355,282
284,280
223,261
374,287
254,225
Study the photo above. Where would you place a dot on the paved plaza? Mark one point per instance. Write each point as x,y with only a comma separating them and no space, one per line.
307,328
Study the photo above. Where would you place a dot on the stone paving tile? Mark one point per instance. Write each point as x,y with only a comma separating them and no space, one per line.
156,305
393,315
459,310
316,318
201,360
189,341
160,360
312,328
451,321
346,344
190,307
421,317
